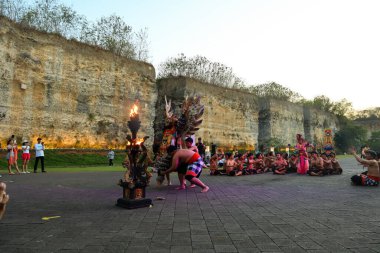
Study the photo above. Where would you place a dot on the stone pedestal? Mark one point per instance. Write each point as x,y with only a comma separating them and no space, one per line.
133,196
133,203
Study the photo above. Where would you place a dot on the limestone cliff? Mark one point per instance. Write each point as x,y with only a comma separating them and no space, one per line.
235,119
371,125
281,120
230,117
71,94
76,95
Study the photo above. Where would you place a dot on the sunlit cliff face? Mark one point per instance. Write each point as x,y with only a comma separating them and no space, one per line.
69,94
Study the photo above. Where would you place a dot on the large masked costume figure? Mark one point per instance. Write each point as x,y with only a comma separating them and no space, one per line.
177,128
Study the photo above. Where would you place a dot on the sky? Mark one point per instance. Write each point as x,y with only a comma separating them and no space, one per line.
313,47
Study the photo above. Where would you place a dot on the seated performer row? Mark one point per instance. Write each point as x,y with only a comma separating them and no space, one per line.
280,164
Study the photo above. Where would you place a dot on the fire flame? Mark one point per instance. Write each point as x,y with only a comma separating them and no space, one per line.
138,141
134,111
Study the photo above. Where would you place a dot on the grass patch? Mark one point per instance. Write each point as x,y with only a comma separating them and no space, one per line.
344,156
56,158
116,168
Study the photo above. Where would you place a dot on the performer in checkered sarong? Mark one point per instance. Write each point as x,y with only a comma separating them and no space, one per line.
370,177
194,164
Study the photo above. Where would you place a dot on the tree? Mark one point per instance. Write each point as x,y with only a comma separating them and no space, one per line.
342,108
112,33
276,91
13,9
52,17
350,135
374,141
200,68
323,103
141,45
373,113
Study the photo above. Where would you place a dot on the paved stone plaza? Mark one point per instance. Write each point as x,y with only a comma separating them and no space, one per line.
260,213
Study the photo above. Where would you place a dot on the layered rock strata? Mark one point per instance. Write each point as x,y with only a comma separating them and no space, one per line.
69,93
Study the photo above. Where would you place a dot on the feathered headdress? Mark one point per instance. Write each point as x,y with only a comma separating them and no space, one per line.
190,120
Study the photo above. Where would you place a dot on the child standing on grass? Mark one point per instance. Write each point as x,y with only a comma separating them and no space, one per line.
25,156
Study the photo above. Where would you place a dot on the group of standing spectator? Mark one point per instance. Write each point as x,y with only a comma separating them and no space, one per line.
12,156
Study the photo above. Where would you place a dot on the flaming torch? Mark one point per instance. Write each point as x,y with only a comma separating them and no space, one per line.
134,123
136,177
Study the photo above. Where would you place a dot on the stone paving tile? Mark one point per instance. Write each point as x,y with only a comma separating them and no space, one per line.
157,250
66,251
309,245
137,249
200,238
249,250
203,250
284,242
93,248
259,213
264,239
181,249
244,244
317,251
221,240
364,250
225,248
202,244
292,249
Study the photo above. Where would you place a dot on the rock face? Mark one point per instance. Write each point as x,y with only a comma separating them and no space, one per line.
280,120
235,119
230,117
71,94
76,95
371,125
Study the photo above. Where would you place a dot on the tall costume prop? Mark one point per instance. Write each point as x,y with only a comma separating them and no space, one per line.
177,129
328,141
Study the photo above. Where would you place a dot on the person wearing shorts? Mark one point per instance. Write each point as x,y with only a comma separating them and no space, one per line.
25,156
12,156
192,160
